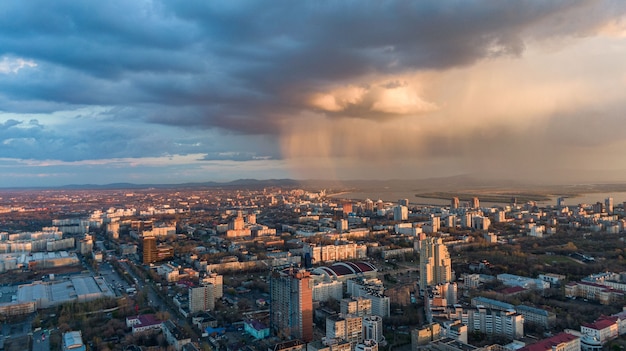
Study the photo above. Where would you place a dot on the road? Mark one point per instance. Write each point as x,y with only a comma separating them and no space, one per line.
154,298
41,341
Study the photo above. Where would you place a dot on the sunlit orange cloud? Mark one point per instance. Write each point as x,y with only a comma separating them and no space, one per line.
494,113
371,95
615,28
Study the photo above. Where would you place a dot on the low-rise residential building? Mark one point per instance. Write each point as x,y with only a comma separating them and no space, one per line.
174,335
257,329
603,329
621,321
555,280
73,341
536,316
168,272
592,291
524,282
559,342
143,322
491,303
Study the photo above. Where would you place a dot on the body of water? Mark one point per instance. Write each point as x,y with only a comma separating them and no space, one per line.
394,196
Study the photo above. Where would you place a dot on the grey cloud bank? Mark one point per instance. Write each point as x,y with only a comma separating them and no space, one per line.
292,83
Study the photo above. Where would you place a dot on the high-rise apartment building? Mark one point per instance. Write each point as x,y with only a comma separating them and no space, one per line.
435,223
348,328
475,202
481,223
400,213
291,307
155,253
342,225
450,221
141,226
435,264
325,290
149,249
608,204
359,306
501,216
251,219
217,281
466,220
201,298
454,203
113,230
369,205
373,328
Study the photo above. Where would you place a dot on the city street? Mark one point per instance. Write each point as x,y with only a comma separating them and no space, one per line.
41,341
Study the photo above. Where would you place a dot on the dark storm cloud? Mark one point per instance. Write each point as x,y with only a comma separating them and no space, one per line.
32,140
239,67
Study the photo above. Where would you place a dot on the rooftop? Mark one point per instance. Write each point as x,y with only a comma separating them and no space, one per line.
73,339
548,344
530,309
512,290
256,324
341,269
600,324
146,320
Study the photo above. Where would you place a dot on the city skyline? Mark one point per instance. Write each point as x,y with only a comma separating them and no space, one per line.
159,92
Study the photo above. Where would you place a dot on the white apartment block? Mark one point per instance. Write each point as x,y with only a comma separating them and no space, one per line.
348,328
359,306
493,322
322,291
217,281
332,253
201,298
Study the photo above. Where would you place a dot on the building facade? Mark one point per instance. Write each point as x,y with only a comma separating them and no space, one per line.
435,264
291,307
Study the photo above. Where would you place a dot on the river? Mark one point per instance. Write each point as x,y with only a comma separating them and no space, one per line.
395,195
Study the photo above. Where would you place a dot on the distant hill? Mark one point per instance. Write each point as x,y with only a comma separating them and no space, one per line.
253,183
467,183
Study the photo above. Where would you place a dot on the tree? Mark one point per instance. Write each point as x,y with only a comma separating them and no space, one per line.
570,247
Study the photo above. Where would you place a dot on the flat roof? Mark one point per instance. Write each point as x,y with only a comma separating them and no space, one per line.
59,291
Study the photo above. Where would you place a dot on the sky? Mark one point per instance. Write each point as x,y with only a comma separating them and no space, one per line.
99,92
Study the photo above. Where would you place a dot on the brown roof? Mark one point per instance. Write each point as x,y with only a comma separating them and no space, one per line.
547,344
